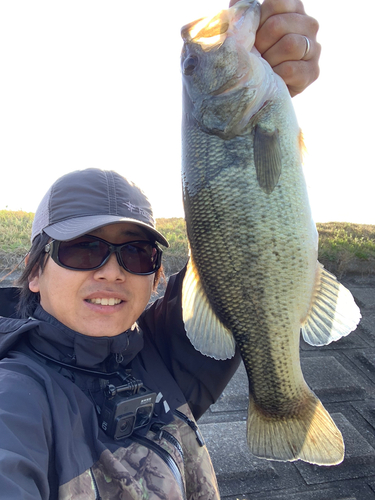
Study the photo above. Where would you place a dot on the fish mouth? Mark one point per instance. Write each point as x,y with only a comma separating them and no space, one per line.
208,32
211,32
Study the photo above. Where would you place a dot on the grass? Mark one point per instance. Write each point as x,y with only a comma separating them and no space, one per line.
15,231
343,247
175,256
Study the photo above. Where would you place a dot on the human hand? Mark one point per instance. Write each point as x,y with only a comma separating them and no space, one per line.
286,39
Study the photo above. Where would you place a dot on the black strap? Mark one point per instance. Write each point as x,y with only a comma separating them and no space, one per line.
165,456
157,427
192,426
86,371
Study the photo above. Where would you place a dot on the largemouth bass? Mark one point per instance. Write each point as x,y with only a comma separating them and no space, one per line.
253,278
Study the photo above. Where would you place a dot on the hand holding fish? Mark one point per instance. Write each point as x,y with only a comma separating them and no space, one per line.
286,39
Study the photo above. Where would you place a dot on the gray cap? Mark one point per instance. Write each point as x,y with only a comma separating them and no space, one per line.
85,200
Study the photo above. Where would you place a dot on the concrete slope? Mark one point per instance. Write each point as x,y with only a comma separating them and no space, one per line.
343,377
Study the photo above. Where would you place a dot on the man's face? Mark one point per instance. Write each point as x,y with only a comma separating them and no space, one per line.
69,295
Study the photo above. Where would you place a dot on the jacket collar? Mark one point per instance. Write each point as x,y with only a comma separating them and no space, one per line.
53,338
56,340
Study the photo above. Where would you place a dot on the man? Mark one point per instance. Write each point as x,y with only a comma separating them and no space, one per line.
88,278
99,396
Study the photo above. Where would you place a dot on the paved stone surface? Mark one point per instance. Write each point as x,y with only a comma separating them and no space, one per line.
8,280
343,376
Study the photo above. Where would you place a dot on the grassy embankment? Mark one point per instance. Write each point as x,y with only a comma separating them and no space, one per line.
343,247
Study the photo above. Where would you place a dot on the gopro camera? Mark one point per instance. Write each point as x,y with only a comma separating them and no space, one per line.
126,408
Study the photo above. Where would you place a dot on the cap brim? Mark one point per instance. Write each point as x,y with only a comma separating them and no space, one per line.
73,228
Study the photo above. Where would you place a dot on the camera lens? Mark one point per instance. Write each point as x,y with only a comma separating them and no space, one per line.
124,426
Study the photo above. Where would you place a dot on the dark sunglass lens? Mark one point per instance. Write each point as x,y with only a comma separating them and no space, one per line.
82,253
140,257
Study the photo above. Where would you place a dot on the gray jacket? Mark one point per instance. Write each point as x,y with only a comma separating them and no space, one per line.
51,442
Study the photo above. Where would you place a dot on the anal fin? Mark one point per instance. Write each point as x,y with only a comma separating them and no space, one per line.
333,313
203,328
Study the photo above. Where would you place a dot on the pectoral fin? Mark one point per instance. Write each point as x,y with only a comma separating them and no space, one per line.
204,330
267,158
333,313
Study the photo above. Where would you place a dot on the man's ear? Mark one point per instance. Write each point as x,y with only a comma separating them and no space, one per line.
33,277
34,283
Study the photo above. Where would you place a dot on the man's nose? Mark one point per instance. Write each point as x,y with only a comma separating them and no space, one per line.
111,271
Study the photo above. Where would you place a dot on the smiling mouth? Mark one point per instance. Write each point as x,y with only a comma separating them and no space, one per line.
105,302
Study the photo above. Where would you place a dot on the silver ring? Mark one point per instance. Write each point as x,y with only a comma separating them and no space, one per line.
308,47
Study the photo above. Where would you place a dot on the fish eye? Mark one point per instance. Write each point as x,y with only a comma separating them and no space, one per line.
190,64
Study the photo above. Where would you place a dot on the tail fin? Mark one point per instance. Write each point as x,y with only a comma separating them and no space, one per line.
310,435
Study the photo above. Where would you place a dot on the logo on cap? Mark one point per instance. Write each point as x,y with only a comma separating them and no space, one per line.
138,210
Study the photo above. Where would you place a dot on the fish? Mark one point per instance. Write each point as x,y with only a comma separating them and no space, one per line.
253,279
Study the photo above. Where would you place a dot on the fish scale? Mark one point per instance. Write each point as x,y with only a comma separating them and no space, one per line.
253,278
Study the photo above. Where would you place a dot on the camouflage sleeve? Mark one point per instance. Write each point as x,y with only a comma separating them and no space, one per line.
201,379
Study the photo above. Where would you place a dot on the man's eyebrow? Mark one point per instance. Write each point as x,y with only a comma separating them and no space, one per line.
135,232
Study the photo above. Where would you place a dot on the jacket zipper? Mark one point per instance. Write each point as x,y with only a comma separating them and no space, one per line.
96,489
165,456
192,425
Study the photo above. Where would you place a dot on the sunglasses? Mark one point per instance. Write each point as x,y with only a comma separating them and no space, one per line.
90,252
